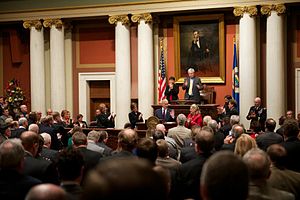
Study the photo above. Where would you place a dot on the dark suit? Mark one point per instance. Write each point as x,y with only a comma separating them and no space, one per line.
49,154
198,52
187,154
292,147
73,190
107,150
55,143
134,118
232,111
41,169
104,122
266,139
172,92
167,118
195,91
17,132
187,180
261,115
14,186
91,158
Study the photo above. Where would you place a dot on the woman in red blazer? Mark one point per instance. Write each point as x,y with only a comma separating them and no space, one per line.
194,118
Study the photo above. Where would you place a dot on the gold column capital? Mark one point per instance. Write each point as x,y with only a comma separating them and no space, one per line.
37,24
124,19
240,11
49,22
145,16
267,9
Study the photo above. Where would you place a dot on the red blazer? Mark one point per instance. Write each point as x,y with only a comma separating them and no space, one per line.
194,120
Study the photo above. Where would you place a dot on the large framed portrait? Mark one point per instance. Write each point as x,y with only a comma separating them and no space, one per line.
199,43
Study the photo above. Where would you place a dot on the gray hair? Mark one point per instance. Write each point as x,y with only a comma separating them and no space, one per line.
22,120
93,135
258,163
191,70
181,119
213,124
33,128
237,130
47,138
234,119
206,119
11,154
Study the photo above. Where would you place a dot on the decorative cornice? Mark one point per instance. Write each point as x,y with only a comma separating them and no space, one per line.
37,24
145,16
119,18
49,22
240,11
267,9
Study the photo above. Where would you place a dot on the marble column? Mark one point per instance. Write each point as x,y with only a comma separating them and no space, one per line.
275,60
37,65
145,63
123,66
57,64
247,59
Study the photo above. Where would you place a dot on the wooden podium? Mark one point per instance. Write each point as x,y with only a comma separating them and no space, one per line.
206,109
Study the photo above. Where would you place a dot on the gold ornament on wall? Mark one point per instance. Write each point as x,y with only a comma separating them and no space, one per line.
267,9
239,11
37,24
124,19
49,22
145,16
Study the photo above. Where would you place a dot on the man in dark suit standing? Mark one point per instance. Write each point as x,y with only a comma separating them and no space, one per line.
172,90
192,86
165,114
258,113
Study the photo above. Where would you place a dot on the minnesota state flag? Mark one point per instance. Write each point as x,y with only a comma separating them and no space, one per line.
235,77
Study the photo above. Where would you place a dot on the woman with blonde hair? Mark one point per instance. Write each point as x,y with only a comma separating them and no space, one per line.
194,118
243,144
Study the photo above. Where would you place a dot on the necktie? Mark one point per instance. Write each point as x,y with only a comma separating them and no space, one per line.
163,113
191,87
171,98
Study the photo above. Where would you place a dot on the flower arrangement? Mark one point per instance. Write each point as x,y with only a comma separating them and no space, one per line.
14,94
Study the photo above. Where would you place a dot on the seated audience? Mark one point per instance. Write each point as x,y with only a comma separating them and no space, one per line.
105,119
258,164
46,152
46,192
292,144
135,116
163,159
92,139
230,140
268,138
218,184
179,133
80,122
70,166
280,130
132,179
146,148
243,144
219,136
165,114
194,118
14,185
103,138
38,168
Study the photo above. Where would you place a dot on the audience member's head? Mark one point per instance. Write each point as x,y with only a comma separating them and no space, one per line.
213,124
291,128
227,99
23,108
206,119
46,192
204,142
65,114
195,130
125,179
30,142
290,114
49,111
162,148
237,131
147,149
234,119
127,140
270,125
32,117
127,125
103,136
161,127
281,120
23,122
157,135
56,116
79,139
34,128
47,139
243,144
232,103
93,136
255,126
277,154
5,130
181,119
218,184
133,107
11,155
70,165
258,164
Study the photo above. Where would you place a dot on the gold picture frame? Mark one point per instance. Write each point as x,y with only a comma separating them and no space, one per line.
210,61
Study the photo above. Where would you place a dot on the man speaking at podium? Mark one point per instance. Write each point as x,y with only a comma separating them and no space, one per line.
192,86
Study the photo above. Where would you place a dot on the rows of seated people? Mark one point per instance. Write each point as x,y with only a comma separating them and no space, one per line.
212,159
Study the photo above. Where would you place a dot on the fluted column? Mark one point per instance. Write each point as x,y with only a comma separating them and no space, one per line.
37,65
123,72
275,72
57,64
145,63
247,59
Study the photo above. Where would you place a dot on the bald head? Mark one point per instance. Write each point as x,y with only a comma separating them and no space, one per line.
127,139
160,127
33,128
30,141
204,141
257,101
46,192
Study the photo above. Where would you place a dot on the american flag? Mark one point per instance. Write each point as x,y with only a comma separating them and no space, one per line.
161,77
